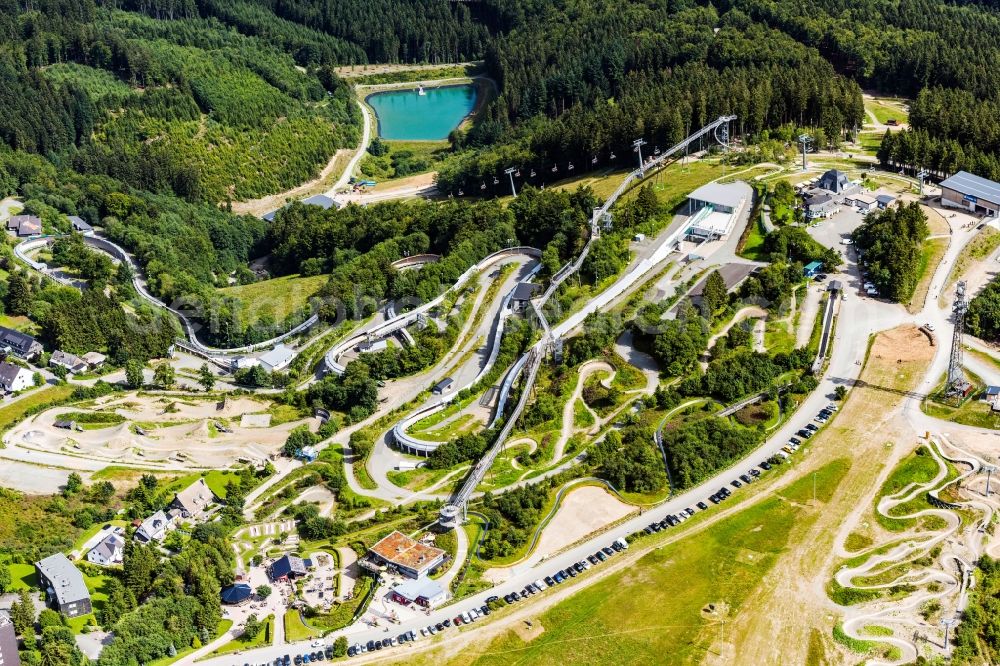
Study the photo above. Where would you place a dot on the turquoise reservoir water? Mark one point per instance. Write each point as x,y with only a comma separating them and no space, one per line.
405,115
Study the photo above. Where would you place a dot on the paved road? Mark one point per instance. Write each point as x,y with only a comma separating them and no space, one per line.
366,138
859,318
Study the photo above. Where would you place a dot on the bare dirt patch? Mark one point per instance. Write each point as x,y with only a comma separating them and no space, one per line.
792,602
583,511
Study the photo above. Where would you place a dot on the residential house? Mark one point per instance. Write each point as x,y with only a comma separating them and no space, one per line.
153,528
24,225
110,550
8,642
20,344
64,586
71,362
14,377
194,500
523,293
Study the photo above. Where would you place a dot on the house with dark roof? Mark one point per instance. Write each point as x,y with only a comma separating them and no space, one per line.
24,225
835,181
20,344
237,594
80,225
110,550
65,588
287,567
523,293
14,377
153,528
820,205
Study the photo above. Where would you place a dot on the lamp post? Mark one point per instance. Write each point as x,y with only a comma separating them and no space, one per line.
637,146
510,172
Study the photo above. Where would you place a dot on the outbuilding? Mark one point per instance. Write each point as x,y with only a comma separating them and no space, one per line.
812,269
971,192
442,386
884,200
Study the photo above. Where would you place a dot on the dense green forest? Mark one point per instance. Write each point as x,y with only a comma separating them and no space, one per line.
889,243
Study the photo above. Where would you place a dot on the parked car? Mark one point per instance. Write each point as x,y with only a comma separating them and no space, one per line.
600,555
746,478
702,506
811,428
593,559
607,551
765,465
754,472
735,483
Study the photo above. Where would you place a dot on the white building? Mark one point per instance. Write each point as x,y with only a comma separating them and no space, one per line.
714,209
111,550
153,528
15,378
278,358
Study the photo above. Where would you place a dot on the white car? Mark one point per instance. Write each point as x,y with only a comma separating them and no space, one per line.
929,327
317,644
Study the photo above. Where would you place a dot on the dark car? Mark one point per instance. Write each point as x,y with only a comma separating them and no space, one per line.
765,465
812,427
485,610
571,572
607,551
702,506
378,645
689,511
600,555
746,478
617,546
578,567
440,626
558,578
736,483
714,499
548,581
328,652
298,659
593,559
754,472
446,622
